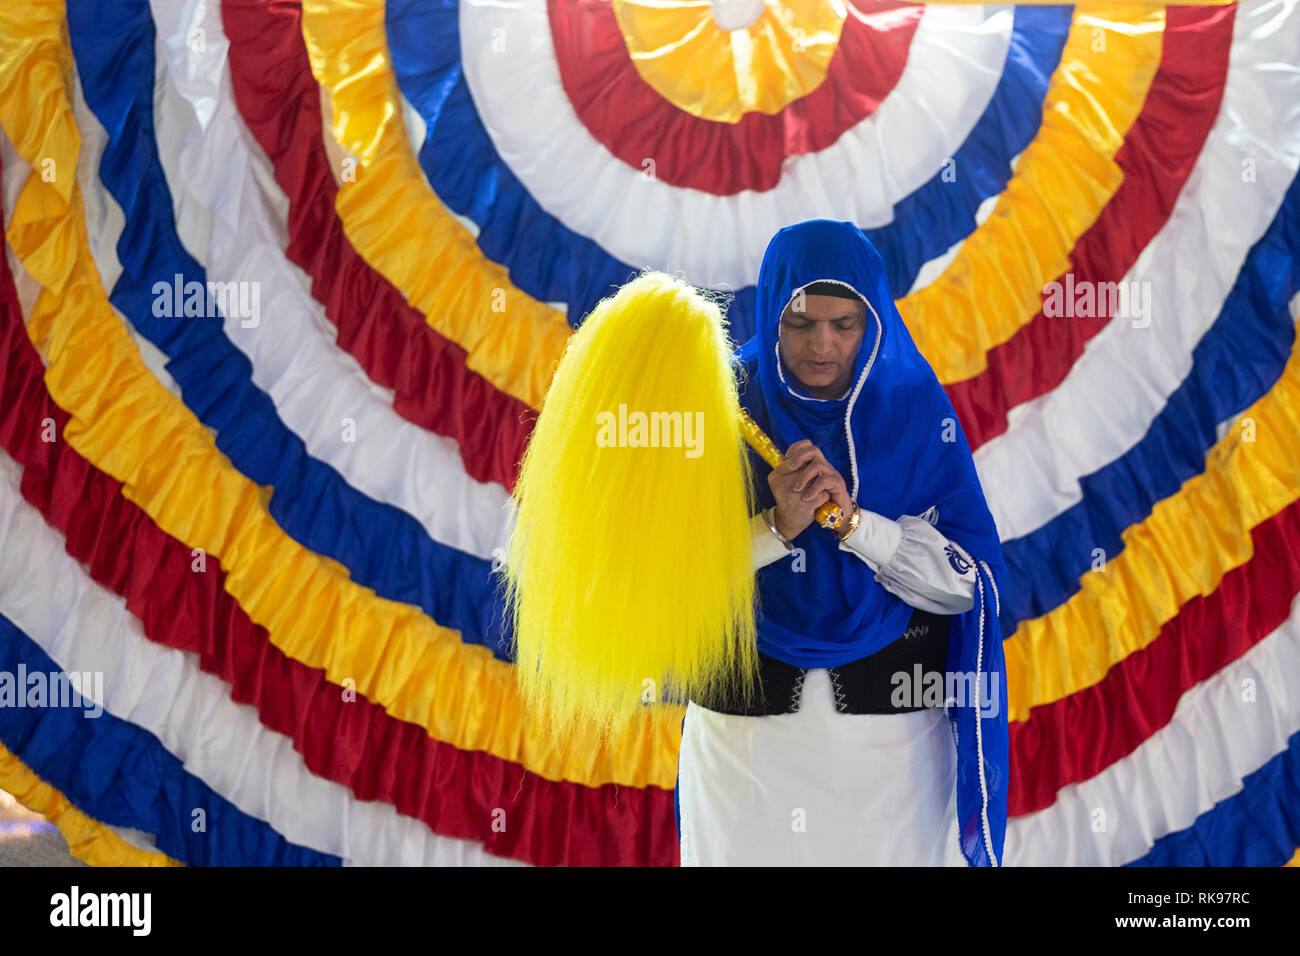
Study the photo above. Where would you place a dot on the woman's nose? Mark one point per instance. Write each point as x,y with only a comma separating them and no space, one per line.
822,340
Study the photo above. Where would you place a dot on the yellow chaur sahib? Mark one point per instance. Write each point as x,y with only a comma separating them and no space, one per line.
631,573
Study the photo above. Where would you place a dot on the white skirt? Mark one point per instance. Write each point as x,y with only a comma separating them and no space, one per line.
817,787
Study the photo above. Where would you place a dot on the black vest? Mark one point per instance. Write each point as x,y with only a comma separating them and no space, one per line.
864,686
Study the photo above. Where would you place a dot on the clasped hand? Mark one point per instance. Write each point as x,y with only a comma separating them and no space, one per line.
802,483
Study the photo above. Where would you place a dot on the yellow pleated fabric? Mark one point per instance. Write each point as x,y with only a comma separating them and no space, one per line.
1061,183
1152,3
1183,549
402,229
88,839
128,425
720,75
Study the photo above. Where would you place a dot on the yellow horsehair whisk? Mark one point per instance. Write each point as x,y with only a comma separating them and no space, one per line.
629,572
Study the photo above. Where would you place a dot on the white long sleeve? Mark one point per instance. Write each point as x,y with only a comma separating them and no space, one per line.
767,546
914,561
909,557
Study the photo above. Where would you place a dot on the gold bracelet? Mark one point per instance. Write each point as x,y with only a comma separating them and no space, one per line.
851,525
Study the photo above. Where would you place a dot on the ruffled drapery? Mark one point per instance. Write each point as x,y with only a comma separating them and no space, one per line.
366,565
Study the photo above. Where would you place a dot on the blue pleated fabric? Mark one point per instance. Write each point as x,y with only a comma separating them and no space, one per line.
1235,364
1258,826
383,547
122,775
553,264
388,550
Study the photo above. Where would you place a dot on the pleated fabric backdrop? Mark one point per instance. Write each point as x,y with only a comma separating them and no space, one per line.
270,526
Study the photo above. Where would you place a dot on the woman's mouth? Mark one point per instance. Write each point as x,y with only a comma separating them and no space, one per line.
820,366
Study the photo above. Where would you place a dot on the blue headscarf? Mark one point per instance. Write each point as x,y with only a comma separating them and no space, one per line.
896,440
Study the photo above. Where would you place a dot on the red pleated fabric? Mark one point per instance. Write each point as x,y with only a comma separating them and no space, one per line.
1079,736
634,121
280,103
1156,157
357,743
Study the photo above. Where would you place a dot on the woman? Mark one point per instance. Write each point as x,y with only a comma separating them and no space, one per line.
852,758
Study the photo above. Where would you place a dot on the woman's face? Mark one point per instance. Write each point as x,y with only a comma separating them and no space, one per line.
819,342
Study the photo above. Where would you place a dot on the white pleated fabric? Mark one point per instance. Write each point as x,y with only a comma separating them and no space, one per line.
1224,729
817,787
953,68
1030,473
1126,374
104,219
85,628
224,198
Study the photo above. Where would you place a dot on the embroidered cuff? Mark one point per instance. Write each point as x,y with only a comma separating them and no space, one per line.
876,539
